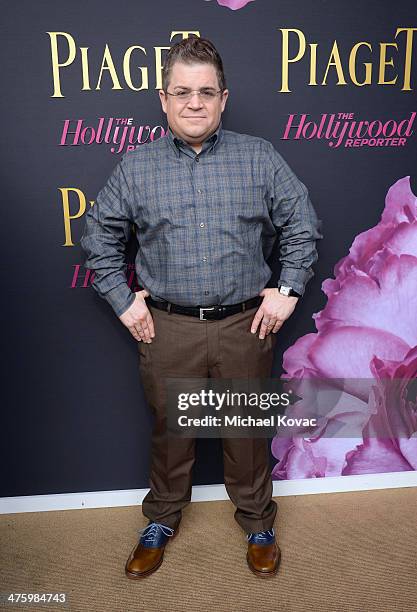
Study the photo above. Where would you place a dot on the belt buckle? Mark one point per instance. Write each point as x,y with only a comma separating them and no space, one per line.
202,313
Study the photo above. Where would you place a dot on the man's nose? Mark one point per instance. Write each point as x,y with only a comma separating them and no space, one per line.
195,100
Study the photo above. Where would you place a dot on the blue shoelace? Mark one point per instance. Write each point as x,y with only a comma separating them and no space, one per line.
151,531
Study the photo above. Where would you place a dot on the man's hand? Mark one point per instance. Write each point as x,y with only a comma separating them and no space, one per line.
138,319
274,310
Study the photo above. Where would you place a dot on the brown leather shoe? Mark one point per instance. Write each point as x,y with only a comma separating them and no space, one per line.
263,554
148,554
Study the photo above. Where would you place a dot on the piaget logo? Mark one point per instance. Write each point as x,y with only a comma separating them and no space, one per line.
368,63
66,57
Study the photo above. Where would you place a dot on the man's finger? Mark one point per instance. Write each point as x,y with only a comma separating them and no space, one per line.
139,331
266,327
277,326
271,326
134,333
149,321
256,320
146,332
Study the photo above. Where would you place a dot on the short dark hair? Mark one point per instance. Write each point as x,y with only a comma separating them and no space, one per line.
193,50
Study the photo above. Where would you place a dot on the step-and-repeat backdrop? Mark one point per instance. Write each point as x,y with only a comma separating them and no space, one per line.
333,86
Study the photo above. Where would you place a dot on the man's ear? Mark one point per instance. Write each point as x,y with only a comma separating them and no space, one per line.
163,98
225,95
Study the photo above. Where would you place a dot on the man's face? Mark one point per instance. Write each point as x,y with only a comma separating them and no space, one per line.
195,119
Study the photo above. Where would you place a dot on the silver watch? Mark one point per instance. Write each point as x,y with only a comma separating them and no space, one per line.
286,290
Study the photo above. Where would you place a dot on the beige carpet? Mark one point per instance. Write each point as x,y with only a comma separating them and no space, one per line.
340,552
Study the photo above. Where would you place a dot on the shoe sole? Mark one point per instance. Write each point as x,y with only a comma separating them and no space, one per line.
134,576
264,574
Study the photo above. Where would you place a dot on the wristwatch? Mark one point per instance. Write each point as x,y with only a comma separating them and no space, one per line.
288,291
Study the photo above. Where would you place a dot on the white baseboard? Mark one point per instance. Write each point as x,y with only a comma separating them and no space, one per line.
134,497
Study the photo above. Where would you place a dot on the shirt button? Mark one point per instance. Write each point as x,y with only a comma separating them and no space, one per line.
197,159
202,225
204,258
199,191
206,292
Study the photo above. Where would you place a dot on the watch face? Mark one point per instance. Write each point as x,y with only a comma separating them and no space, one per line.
285,290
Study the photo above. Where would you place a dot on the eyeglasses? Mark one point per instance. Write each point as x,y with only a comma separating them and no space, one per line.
207,95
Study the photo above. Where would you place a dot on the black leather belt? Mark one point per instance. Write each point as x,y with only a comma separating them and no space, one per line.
206,313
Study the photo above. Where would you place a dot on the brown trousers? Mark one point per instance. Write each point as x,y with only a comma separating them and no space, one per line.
183,347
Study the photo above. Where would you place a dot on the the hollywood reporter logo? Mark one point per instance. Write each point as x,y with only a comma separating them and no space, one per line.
342,129
117,131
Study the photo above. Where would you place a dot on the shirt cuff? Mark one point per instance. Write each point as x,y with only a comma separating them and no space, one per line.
120,298
297,278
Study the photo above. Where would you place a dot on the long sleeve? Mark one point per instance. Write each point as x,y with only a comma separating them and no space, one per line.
295,219
107,230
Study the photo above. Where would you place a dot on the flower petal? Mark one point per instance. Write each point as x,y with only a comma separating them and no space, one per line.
346,352
375,456
234,4
389,304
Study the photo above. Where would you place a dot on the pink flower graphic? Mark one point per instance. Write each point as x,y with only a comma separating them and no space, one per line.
234,4
367,336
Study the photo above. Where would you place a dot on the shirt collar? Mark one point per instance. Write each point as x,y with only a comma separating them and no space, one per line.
209,144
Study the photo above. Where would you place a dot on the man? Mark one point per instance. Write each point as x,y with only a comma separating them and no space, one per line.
207,204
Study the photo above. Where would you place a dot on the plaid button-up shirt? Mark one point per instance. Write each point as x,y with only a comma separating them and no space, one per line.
205,223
